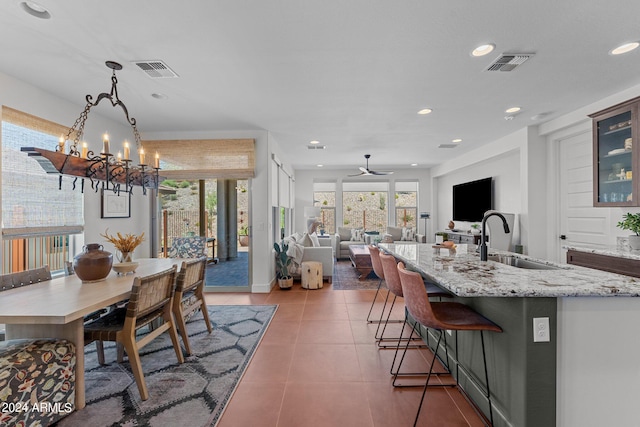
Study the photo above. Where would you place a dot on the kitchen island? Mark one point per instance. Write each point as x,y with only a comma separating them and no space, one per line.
587,374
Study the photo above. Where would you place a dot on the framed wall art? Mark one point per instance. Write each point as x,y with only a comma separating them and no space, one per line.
115,205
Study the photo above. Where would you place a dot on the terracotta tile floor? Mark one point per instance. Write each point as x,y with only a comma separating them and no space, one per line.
318,365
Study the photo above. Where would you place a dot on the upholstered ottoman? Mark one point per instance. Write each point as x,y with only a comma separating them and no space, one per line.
311,275
37,381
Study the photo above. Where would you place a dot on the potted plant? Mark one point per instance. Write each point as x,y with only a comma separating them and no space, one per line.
475,228
631,222
243,236
285,280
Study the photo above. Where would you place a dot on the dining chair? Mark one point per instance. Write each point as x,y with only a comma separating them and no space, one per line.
441,316
151,298
189,296
22,278
188,247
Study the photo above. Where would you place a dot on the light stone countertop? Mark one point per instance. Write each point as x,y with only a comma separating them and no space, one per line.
609,251
466,276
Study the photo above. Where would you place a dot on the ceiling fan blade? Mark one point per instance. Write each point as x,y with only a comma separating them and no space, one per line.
381,172
363,170
359,174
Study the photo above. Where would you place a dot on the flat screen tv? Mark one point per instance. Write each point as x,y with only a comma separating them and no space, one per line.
472,199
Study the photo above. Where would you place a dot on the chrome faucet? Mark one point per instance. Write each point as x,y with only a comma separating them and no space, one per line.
483,235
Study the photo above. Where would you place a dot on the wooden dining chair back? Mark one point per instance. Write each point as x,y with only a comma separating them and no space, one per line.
24,278
151,298
189,296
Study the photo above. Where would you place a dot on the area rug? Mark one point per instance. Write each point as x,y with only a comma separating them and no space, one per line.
345,277
233,272
192,394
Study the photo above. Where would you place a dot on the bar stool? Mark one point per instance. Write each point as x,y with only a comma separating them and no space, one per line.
374,251
442,316
393,283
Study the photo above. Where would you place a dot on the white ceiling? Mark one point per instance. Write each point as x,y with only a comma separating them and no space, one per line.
351,74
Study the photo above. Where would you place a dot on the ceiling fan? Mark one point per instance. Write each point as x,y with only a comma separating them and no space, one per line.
367,171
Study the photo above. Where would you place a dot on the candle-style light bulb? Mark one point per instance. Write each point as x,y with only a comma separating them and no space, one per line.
119,157
85,150
126,150
105,141
61,144
141,156
157,163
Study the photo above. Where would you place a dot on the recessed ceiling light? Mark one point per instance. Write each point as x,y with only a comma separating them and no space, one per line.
319,166
159,96
34,9
627,47
314,142
414,164
483,50
425,111
456,140
512,110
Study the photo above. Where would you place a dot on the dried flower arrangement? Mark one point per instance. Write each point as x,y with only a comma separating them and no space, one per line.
126,243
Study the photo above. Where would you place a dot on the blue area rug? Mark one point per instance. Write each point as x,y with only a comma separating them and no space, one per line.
234,272
192,394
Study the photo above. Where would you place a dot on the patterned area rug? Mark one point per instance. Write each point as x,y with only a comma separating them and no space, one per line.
191,394
345,277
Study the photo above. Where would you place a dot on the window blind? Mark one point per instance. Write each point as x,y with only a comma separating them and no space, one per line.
32,204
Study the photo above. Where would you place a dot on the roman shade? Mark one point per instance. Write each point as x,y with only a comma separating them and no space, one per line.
204,158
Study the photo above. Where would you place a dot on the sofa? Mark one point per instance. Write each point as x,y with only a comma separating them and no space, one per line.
37,381
308,247
347,236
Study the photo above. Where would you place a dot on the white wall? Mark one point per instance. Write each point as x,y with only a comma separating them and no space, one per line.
18,95
500,160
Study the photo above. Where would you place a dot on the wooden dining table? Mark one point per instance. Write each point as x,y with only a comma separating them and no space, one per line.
56,308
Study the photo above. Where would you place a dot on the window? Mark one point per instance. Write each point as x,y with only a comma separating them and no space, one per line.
364,205
33,206
406,199
324,196
32,203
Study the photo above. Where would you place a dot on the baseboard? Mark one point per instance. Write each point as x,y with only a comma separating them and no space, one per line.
262,288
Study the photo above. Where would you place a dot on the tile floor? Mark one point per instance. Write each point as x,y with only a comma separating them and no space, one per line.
318,365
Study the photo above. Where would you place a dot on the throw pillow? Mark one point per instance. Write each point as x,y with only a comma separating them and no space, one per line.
306,241
408,234
344,233
314,240
387,238
357,235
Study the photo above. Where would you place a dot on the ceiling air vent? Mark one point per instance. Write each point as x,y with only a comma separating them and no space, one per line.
447,145
509,61
316,147
156,69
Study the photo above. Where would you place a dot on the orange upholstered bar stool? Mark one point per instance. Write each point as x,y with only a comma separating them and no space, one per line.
392,279
442,316
377,268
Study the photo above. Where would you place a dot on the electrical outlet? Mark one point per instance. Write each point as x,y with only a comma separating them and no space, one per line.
541,331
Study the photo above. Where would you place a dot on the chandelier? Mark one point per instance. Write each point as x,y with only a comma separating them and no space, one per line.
105,170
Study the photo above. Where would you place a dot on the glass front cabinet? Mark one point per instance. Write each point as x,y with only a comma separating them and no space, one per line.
616,163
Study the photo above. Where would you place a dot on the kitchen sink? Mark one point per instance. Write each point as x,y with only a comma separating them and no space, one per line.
514,261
